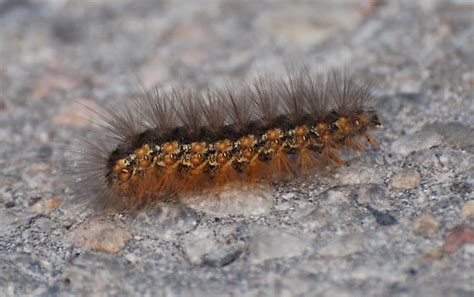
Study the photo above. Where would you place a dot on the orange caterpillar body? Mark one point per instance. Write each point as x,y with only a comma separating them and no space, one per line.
185,141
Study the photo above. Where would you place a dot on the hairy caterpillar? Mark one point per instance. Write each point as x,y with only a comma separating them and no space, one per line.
169,144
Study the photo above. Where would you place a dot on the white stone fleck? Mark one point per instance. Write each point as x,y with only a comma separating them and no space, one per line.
423,140
165,221
405,179
344,246
100,235
468,210
245,201
358,175
198,243
268,243
426,225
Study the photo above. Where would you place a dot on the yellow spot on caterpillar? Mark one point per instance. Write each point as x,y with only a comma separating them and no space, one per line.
221,159
300,141
124,176
144,163
143,151
198,147
170,147
247,141
223,146
248,154
274,134
196,160
301,131
326,137
275,146
321,128
119,166
169,160
342,123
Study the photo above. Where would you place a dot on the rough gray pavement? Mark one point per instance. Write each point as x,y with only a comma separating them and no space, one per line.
398,221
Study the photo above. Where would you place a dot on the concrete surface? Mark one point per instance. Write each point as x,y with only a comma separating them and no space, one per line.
397,222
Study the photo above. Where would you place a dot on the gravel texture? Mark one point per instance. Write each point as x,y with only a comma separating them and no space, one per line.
398,221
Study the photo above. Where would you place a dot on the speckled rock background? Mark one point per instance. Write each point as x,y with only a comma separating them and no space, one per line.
397,222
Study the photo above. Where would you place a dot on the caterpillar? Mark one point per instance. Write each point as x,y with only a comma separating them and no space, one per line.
168,144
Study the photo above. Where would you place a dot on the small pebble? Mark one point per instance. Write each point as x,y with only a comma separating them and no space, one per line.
202,246
426,225
382,218
45,224
199,243
289,196
334,201
132,258
316,218
456,134
46,206
371,194
468,210
423,140
461,188
282,206
269,243
358,175
457,237
165,222
434,254
344,246
44,152
221,257
10,220
9,204
246,201
100,235
406,179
